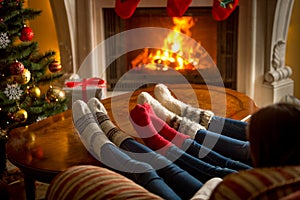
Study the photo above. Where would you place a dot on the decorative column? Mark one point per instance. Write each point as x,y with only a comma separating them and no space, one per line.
277,81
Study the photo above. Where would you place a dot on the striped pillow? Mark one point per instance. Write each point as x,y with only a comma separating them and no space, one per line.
92,182
259,183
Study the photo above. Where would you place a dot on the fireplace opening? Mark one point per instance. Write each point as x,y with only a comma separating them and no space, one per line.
219,39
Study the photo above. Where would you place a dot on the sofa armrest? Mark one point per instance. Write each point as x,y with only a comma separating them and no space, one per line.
259,183
92,182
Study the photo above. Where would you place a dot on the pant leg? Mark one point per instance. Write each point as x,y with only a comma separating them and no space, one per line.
228,127
198,168
139,172
229,147
210,156
184,184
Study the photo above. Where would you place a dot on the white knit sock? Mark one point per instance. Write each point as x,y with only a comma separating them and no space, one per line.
164,96
158,108
114,134
90,133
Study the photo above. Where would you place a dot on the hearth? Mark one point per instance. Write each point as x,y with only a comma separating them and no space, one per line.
170,62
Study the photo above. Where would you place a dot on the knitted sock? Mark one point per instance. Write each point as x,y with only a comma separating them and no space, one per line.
113,133
164,96
176,8
183,125
126,8
158,108
164,129
222,9
144,127
90,134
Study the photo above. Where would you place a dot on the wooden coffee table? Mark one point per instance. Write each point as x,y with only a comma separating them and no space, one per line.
48,147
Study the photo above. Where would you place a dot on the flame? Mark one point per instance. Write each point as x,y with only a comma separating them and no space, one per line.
175,53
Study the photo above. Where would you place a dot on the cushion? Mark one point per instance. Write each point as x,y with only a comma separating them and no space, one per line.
259,183
92,182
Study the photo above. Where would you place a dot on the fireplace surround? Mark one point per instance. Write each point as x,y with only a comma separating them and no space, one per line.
262,35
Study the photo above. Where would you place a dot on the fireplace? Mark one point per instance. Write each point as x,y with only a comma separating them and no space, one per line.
263,27
217,39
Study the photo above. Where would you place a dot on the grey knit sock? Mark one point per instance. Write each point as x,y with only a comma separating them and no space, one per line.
90,134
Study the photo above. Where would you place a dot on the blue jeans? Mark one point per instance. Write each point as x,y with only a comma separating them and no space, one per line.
178,179
199,169
207,155
227,146
229,127
139,172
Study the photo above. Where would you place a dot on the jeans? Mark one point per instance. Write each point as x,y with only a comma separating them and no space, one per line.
139,172
227,146
207,155
229,127
178,179
199,169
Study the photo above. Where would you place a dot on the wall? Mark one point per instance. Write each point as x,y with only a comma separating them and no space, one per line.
293,47
43,27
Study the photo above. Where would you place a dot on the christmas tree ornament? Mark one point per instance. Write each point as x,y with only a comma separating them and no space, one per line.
13,92
176,8
16,68
4,40
26,34
23,78
125,8
34,92
54,66
55,94
222,9
20,116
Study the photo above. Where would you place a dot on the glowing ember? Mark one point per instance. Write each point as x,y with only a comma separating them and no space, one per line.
176,53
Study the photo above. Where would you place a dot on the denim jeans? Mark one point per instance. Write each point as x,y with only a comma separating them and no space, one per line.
210,156
199,169
229,127
227,146
184,184
139,172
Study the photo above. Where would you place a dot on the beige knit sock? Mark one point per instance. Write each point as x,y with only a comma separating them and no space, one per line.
116,135
164,96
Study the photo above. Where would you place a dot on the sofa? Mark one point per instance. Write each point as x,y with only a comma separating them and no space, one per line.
93,182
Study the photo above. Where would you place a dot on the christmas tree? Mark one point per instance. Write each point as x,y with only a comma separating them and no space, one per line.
27,77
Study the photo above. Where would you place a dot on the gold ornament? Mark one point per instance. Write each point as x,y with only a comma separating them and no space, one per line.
20,116
23,78
34,92
55,94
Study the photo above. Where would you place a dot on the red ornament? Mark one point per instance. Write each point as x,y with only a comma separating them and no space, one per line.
26,34
16,68
54,66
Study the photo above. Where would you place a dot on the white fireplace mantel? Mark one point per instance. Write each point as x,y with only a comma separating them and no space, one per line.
263,27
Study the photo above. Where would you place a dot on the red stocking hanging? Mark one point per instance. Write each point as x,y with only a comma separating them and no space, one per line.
223,8
176,8
126,8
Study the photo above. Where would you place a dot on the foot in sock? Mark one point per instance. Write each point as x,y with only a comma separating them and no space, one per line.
183,125
90,134
144,127
164,96
116,135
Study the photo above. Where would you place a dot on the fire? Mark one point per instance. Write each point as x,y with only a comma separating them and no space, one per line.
174,54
